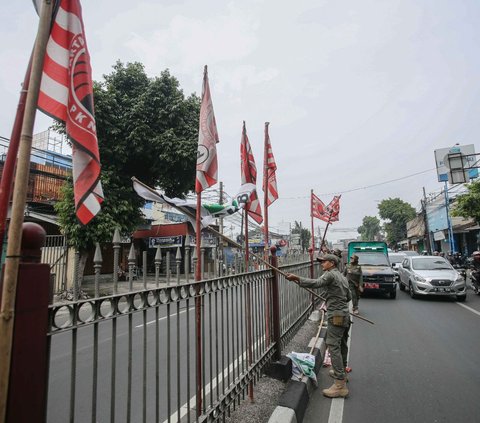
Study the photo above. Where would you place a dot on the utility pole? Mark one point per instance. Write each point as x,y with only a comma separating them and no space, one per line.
425,218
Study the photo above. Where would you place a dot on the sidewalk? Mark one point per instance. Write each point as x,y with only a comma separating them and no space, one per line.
267,391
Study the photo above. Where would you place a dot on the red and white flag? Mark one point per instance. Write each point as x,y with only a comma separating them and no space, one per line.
66,94
249,175
207,166
270,167
318,209
333,209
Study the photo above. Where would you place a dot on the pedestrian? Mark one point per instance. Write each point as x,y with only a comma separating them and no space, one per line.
334,287
341,264
353,272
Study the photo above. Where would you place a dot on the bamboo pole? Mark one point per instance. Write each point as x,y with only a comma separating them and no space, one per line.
237,245
7,308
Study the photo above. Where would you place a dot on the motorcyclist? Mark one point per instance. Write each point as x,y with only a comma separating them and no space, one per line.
475,271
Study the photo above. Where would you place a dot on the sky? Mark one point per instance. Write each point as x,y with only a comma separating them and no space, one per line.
358,93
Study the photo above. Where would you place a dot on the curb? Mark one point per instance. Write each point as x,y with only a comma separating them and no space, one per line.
294,400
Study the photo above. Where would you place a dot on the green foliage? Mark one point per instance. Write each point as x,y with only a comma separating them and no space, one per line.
397,213
305,235
146,128
370,229
468,204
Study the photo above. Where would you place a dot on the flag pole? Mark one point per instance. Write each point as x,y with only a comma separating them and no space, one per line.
265,226
9,165
265,190
241,247
198,307
248,307
313,234
7,308
324,234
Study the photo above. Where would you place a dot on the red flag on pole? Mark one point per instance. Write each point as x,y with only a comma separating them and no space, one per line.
318,208
249,175
333,209
271,167
66,93
207,166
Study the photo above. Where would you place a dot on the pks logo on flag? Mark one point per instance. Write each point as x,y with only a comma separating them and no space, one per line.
318,208
270,168
333,209
207,166
329,213
66,93
249,175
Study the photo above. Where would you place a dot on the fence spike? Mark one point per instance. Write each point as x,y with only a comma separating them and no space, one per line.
97,258
116,236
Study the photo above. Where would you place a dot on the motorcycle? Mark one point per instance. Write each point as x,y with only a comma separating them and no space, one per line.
475,278
460,269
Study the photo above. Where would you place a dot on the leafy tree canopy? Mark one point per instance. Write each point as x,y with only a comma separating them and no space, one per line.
146,128
370,229
468,204
397,213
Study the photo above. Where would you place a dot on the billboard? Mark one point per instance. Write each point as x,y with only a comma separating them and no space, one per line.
444,157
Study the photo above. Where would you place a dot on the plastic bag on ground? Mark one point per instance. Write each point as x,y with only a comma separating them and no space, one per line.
303,364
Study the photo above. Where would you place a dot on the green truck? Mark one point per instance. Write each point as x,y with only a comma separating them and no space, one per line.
378,275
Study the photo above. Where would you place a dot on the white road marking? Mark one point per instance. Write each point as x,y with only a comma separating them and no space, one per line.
469,308
163,318
336,408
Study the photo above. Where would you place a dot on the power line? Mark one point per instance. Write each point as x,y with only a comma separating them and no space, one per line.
363,188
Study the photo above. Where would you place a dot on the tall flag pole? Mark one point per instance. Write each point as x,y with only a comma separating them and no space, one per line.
9,288
207,173
312,216
270,194
249,175
66,94
269,182
8,171
332,215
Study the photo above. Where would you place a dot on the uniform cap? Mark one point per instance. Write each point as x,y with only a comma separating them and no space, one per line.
476,253
328,257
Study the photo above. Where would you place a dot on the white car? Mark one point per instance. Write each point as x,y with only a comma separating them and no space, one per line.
431,275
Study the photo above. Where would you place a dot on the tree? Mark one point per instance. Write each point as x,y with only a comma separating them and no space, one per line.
370,229
305,235
468,204
397,213
146,128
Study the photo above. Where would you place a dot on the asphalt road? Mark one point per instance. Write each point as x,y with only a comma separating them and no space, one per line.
419,363
134,331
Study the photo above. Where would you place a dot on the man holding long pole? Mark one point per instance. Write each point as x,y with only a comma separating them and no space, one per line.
337,295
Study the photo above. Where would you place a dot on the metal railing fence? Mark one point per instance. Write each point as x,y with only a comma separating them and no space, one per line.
132,356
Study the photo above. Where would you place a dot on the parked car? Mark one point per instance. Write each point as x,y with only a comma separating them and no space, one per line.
409,253
396,259
431,275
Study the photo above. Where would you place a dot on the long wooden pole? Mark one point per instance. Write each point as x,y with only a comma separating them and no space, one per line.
7,308
324,234
9,166
239,246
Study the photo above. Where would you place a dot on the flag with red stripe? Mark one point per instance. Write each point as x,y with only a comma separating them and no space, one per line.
207,166
333,209
66,94
249,175
318,208
270,167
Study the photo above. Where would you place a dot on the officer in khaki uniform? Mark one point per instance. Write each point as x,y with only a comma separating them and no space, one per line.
335,290
353,272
